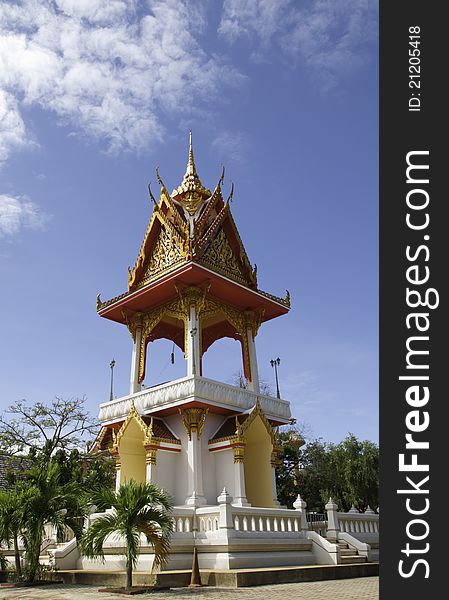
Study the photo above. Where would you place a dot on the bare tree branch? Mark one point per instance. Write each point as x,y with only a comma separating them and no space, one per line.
60,424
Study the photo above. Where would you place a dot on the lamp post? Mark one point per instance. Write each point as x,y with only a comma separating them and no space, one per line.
275,363
112,365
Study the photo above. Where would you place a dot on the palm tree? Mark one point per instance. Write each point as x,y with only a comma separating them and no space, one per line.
137,508
11,520
47,501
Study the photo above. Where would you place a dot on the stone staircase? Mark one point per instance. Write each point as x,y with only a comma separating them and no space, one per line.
349,556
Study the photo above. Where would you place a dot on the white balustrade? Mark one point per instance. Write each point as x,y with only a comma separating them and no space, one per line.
358,523
192,387
182,520
259,521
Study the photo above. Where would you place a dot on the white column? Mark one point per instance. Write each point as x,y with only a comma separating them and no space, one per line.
224,501
193,346
135,386
332,520
239,479
151,465
253,385
195,474
118,468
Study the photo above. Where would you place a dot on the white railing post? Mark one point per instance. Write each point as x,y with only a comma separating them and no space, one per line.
300,505
332,520
224,501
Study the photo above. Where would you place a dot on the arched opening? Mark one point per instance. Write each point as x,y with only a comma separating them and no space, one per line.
132,453
223,361
164,356
159,365
257,463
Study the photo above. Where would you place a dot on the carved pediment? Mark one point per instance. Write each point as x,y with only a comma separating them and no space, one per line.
221,257
165,255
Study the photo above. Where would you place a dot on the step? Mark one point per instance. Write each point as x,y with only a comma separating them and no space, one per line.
232,578
346,552
352,559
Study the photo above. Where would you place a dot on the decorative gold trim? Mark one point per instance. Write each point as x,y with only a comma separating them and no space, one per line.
239,453
258,412
284,301
220,257
166,441
98,440
193,419
151,456
191,193
149,440
239,437
133,414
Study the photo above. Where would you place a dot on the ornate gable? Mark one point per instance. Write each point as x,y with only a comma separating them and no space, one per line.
165,255
191,224
220,257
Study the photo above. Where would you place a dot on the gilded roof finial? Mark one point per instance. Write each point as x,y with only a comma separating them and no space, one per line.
191,169
191,193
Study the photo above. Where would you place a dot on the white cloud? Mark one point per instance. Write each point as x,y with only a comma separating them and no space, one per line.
229,147
330,37
12,127
112,70
18,213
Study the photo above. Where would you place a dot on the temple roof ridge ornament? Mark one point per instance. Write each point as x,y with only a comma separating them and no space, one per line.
191,194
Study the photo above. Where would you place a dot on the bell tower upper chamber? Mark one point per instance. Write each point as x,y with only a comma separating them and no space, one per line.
192,283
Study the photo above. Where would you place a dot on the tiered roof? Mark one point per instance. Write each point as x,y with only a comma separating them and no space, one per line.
193,226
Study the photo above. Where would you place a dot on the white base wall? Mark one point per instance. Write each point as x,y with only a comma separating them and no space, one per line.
212,556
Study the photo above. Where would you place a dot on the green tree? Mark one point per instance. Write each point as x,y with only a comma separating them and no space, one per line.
138,508
47,501
11,521
315,475
348,471
90,471
354,466
289,442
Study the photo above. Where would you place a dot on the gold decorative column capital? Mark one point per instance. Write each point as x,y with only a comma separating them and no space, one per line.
253,320
151,455
193,419
239,453
133,322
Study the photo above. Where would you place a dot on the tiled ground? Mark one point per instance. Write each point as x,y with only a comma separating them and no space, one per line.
363,588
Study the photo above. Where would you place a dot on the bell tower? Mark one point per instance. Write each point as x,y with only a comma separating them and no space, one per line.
192,283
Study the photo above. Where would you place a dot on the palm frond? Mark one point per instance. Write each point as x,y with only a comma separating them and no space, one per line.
92,541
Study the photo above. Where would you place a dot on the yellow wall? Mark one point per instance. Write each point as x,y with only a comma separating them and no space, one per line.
132,454
257,463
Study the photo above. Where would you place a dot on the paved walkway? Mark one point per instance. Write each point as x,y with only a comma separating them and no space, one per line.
363,588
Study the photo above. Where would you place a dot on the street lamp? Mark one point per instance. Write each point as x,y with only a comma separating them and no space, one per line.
112,365
275,363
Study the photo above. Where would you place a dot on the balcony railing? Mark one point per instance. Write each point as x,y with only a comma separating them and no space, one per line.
187,389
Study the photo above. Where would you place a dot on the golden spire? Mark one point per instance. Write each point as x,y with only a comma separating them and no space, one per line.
191,169
191,192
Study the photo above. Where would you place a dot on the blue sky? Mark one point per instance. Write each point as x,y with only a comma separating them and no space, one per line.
94,94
